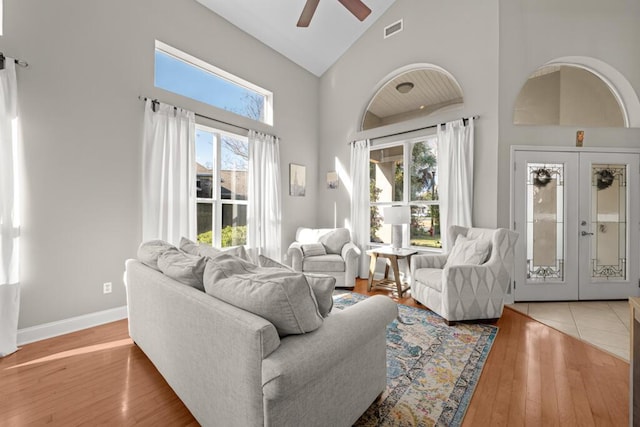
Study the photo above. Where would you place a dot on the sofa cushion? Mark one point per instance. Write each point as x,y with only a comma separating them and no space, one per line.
322,287
334,240
430,277
282,297
205,250
148,252
468,251
313,249
183,267
323,263
321,284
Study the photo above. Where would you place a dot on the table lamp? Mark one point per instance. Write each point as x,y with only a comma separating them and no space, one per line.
396,216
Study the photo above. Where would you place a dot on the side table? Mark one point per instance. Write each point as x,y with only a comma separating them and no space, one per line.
393,255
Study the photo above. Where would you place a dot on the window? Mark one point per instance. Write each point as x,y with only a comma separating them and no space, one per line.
222,161
390,186
189,76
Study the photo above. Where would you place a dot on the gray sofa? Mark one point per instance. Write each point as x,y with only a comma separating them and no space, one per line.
338,256
231,368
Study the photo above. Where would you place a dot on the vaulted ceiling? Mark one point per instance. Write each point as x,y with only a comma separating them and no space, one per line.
332,31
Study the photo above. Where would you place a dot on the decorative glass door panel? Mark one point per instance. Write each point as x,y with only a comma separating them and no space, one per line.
609,225
545,221
578,214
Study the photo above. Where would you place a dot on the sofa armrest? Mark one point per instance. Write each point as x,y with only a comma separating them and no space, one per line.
351,256
295,255
302,359
428,261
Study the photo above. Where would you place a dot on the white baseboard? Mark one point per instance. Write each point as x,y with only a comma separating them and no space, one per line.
61,327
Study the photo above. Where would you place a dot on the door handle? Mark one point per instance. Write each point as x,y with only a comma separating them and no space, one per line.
586,233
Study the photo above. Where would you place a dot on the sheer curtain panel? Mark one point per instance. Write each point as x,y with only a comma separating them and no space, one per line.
263,211
168,173
9,212
455,166
360,216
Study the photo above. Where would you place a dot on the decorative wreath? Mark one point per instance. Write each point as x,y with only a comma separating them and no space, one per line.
541,177
605,179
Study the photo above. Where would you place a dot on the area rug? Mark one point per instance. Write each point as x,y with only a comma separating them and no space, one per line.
432,368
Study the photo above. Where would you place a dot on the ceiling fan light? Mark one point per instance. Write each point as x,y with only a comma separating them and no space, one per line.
404,87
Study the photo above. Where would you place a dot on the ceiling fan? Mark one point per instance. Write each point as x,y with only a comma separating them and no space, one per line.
359,10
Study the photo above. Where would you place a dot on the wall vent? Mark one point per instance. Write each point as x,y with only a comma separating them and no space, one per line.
392,29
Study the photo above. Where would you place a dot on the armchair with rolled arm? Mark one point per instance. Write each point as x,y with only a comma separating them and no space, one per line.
326,251
473,285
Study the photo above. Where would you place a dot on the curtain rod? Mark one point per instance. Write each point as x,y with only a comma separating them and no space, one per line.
156,101
19,62
417,129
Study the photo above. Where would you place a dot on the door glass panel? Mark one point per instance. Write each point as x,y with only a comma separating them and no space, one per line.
545,221
608,221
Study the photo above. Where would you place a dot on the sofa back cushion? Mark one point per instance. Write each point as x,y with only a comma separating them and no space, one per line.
335,239
183,267
284,298
148,252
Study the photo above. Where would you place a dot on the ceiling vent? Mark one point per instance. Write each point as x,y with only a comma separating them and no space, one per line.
392,29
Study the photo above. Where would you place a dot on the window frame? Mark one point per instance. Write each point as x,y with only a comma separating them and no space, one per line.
221,74
407,161
216,194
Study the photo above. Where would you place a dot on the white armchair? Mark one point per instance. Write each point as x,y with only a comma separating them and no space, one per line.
469,282
326,251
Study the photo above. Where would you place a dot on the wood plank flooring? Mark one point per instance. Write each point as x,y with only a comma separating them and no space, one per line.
534,376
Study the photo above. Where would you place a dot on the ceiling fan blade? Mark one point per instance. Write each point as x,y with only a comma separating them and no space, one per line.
359,9
307,13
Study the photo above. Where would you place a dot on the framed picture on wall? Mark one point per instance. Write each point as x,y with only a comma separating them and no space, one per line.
332,180
297,180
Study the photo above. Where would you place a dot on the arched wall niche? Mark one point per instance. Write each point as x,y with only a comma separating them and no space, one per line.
577,91
410,92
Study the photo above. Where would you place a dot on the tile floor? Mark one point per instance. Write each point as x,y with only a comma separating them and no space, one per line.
604,324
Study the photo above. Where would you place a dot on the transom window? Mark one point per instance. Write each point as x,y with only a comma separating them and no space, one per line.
186,75
222,160
389,185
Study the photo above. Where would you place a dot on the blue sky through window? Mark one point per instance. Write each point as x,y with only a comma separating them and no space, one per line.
183,78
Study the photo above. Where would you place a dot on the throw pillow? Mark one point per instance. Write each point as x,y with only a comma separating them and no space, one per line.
191,247
284,298
335,240
323,287
188,246
468,251
313,249
148,252
321,284
183,267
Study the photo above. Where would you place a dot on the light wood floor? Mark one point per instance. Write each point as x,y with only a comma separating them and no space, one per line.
534,376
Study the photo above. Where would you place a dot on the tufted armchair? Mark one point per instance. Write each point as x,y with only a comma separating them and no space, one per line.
469,282
326,251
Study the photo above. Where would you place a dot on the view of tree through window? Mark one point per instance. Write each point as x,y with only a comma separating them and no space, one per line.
389,186
222,167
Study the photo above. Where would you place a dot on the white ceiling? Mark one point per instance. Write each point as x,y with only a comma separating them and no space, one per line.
332,31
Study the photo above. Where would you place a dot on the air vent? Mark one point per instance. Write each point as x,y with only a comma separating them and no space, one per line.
392,29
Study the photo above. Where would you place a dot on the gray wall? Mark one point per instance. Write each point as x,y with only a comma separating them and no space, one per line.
82,126
460,36
533,32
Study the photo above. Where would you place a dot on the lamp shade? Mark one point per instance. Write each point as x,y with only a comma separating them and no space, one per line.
397,215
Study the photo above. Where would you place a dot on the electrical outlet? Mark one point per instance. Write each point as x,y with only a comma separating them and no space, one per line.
106,288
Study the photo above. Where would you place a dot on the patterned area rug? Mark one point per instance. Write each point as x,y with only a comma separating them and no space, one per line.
432,368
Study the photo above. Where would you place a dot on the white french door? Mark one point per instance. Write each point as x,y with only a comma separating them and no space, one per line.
578,218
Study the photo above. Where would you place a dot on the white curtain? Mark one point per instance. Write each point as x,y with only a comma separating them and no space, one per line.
168,173
263,211
360,215
9,212
455,167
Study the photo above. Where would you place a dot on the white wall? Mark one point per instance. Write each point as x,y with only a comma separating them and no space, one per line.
534,32
460,36
82,125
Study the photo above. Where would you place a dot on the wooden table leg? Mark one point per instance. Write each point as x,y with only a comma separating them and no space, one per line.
372,270
396,274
